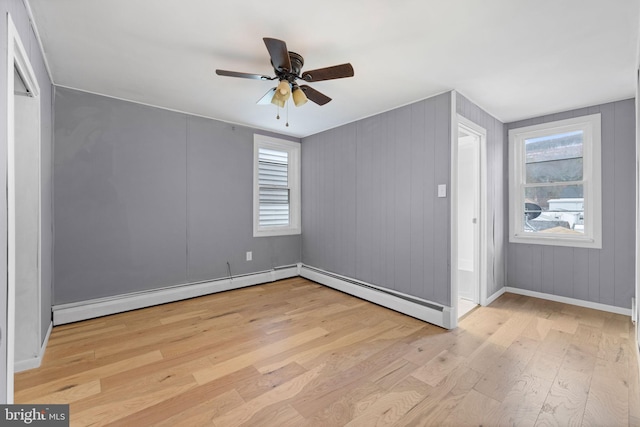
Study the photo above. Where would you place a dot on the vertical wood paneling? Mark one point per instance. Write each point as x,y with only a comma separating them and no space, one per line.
148,198
323,220
402,124
548,267
443,205
349,182
417,217
594,276
580,288
389,203
499,207
307,186
119,189
563,271
496,196
624,204
536,270
335,198
511,269
378,219
380,174
492,203
600,275
430,193
524,266
310,207
329,174
364,195
607,253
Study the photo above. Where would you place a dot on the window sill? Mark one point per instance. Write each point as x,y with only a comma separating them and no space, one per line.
277,232
557,240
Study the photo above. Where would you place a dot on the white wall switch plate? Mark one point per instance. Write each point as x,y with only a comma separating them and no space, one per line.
249,256
442,190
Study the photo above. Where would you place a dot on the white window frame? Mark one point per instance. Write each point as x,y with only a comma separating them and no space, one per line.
293,150
591,127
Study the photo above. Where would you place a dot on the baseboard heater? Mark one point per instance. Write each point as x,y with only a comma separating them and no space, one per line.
83,310
403,303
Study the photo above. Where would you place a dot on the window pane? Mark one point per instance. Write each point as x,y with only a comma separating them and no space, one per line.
554,171
272,174
554,209
554,158
276,187
274,207
273,156
273,167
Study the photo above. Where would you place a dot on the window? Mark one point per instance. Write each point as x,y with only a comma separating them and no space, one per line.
554,183
276,187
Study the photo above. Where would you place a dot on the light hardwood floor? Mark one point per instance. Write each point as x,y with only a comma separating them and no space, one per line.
295,353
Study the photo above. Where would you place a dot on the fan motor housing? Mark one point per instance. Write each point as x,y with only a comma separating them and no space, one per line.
297,61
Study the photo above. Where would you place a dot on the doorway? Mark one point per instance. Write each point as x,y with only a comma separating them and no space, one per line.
23,299
469,215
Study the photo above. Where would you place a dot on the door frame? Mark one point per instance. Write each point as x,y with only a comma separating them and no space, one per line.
635,312
458,121
17,58
475,163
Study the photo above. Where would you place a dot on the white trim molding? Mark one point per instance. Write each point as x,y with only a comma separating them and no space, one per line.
494,297
83,310
419,308
521,229
18,61
292,149
483,211
35,362
572,301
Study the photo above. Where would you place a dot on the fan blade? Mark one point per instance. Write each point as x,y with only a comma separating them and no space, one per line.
266,99
328,73
279,54
243,75
315,96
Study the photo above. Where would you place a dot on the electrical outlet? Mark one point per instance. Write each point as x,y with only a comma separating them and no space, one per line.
249,256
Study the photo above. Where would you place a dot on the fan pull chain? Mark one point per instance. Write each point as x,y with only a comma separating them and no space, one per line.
278,116
287,115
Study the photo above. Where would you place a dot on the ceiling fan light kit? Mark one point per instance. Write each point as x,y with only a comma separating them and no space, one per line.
287,66
282,93
299,98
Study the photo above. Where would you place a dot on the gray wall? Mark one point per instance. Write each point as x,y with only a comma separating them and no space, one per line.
147,198
369,205
599,275
21,21
497,189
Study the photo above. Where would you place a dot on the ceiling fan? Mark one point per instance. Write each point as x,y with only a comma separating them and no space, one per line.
287,66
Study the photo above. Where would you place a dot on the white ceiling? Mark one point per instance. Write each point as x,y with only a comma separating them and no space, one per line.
515,58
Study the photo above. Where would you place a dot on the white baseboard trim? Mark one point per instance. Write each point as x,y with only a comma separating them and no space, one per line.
637,344
573,301
34,362
495,296
406,304
83,310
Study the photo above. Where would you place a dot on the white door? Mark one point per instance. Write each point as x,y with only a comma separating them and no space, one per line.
22,335
26,197
468,195
468,218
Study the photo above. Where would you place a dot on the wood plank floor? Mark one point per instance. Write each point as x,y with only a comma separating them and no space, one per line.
295,353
